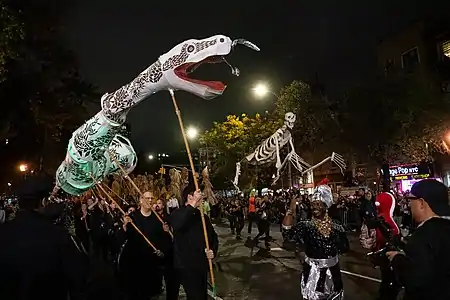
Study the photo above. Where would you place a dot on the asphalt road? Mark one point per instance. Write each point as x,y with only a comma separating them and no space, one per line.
249,273
246,273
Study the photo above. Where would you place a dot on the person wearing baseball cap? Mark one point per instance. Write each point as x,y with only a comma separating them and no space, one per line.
434,195
424,266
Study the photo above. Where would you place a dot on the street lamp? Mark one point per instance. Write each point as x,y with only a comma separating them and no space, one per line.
151,157
23,168
261,90
192,133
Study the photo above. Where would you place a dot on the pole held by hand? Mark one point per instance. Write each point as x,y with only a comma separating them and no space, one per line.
191,163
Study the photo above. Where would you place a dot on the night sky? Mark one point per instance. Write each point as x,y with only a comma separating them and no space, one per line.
115,40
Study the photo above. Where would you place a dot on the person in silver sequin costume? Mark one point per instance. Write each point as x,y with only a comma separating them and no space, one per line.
324,240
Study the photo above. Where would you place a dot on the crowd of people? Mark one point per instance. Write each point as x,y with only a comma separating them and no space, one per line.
349,211
153,242
390,225
145,247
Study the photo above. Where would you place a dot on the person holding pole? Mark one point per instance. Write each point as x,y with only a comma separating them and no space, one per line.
190,251
142,265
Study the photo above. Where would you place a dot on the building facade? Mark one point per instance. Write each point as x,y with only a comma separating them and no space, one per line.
423,47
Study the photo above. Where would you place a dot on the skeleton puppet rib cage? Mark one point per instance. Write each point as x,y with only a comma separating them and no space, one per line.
269,151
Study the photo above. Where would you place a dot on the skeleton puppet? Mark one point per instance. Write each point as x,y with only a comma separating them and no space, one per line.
91,146
269,150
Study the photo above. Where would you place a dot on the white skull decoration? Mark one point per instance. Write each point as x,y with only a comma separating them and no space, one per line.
289,119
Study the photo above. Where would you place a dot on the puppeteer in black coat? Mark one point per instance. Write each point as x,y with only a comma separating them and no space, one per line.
190,260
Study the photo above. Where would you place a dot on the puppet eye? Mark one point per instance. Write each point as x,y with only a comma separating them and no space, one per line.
222,40
190,48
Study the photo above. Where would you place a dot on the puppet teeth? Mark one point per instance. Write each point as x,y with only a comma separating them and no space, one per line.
235,71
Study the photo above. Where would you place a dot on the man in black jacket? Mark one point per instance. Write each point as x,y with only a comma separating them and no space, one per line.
424,268
191,256
39,260
142,266
367,208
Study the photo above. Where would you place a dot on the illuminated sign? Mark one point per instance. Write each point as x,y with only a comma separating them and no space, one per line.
410,172
410,177
403,170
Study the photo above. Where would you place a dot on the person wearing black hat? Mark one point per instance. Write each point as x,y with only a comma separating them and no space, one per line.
190,254
424,266
38,258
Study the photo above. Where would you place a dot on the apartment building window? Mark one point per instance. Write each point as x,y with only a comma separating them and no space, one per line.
445,48
410,59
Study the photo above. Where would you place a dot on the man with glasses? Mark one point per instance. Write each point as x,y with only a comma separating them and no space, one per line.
424,267
141,265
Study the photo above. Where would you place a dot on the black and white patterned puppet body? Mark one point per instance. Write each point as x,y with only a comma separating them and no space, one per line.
89,150
323,241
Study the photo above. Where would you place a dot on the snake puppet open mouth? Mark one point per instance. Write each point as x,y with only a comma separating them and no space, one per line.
185,70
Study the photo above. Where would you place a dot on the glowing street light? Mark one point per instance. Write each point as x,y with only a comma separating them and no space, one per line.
192,133
261,90
23,168
151,157
164,155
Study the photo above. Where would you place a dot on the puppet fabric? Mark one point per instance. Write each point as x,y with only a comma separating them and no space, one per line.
90,150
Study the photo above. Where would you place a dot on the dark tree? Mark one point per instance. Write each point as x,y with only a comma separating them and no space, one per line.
42,92
395,120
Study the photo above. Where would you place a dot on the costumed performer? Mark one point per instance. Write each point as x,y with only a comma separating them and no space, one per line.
386,230
324,240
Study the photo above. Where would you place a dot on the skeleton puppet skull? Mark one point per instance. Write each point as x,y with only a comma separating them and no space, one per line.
289,120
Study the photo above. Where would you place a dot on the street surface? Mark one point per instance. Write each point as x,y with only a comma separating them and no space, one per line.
256,274
243,273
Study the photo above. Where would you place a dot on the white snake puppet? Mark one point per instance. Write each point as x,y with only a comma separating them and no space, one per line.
269,150
89,149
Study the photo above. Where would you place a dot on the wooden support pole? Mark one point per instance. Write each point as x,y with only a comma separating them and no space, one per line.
191,163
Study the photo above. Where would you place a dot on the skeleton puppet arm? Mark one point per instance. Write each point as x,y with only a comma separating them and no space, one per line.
269,149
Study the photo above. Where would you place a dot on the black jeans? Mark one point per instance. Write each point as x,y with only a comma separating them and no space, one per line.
252,218
172,282
232,221
140,286
239,224
263,229
389,288
195,283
